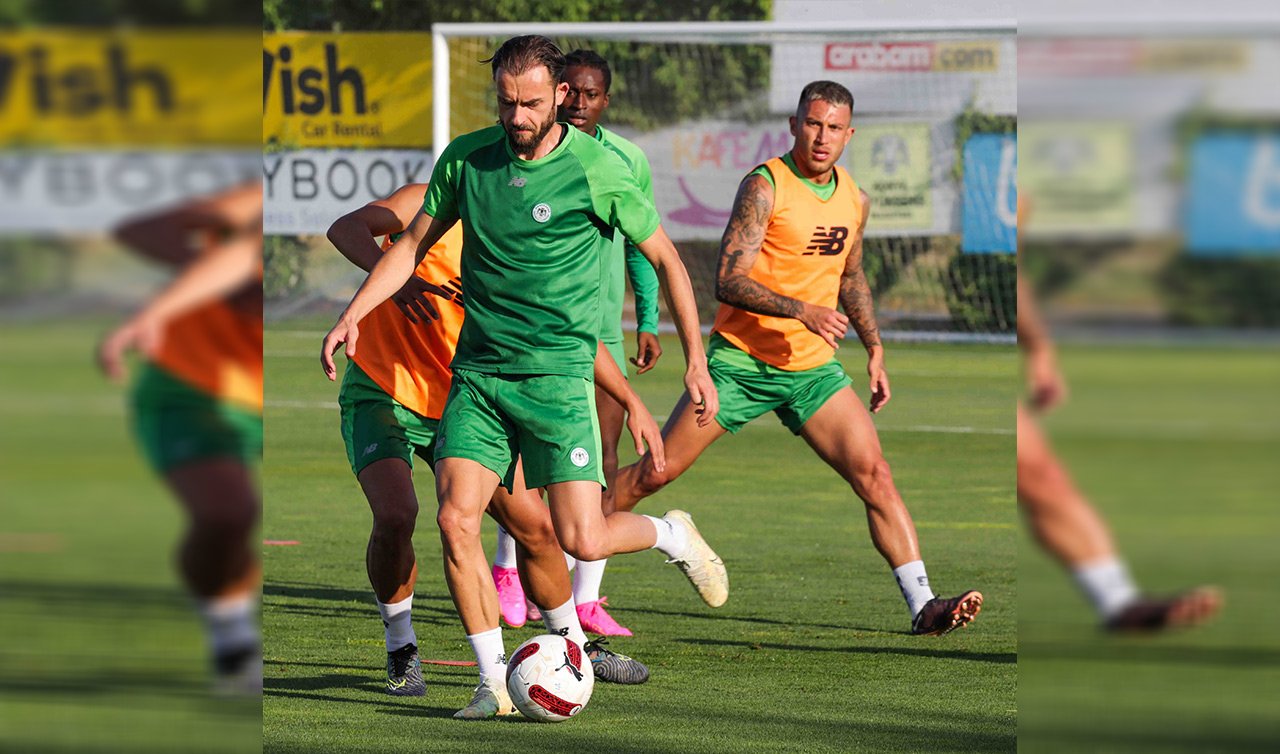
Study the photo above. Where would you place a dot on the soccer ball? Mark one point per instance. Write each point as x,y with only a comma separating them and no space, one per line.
550,678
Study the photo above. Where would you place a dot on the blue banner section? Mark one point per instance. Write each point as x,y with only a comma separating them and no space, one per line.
1233,200
990,211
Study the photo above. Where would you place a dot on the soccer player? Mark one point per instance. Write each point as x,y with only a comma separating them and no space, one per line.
791,253
1061,517
391,399
589,79
197,406
533,197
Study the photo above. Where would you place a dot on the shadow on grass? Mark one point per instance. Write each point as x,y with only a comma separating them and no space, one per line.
946,654
1147,651
722,616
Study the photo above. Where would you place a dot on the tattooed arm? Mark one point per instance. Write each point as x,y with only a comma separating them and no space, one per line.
855,299
739,249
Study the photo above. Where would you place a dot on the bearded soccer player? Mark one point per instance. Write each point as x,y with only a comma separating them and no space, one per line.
791,253
1061,518
392,395
589,78
197,406
534,198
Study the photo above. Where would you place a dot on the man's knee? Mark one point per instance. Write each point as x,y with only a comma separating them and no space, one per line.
458,526
396,520
584,546
649,481
233,519
872,476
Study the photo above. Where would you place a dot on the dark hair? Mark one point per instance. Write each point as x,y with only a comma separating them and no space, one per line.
520,54
827,91
590,59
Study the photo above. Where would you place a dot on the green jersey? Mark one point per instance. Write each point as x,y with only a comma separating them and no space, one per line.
535,254
644,280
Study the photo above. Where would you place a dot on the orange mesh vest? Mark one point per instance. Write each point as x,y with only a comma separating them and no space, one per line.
217,349
803,255
411,362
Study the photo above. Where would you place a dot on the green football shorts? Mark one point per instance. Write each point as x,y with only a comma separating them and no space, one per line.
749,387
549,421
376,426
177,424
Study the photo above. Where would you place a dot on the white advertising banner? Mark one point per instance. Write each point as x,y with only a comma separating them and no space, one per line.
306,190
92,192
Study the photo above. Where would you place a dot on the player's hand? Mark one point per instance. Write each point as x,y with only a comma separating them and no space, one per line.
1045,381
648,351
702,393
644,430
829,324
414,300
141,334
342,332
879,381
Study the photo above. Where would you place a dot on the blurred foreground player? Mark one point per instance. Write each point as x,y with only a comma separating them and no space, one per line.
197,406
1062,520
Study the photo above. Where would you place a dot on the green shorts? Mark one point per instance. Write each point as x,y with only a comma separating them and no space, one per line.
177,424
549,421
375,426
749,387
619,353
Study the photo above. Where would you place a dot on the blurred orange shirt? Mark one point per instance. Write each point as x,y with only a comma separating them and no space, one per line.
217,348
806,243
411,362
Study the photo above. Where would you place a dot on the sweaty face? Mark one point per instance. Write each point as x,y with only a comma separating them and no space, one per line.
586,100
822,131
527,105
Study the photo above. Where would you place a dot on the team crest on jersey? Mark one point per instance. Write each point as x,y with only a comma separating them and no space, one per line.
579,457
519,181
542,212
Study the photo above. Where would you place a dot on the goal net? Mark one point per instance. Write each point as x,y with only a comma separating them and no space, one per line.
935,146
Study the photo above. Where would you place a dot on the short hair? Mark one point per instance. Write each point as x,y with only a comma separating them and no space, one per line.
590,59
520,54
827,91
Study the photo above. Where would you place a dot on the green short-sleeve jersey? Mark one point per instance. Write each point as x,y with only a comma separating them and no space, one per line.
626,260
536,243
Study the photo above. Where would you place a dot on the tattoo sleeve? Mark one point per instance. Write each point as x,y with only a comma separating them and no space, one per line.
738,251
855,292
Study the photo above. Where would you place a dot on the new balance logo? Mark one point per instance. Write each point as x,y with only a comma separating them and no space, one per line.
519,181
922,580
562,631
827,242
371,448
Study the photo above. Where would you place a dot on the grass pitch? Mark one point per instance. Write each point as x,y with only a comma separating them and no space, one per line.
811,653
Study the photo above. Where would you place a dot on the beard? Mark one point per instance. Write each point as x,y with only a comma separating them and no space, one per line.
525,140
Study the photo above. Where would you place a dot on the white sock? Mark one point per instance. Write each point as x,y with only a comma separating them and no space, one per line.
570,561
586,582
672,540
491,655
914,583
1107,584
230,624
506,557
563,620
398,623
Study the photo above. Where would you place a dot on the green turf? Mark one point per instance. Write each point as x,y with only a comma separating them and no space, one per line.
810,654
1177,448
101,650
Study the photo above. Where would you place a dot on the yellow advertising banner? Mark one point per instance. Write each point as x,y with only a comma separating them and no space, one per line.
356,89
145,88
891,162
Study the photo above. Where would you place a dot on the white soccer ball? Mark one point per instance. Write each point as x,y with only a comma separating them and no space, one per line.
550,678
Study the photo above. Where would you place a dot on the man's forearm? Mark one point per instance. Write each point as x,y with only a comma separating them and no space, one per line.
744,293
1033,335
684,309
356,243
391,272
855,299
610,378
